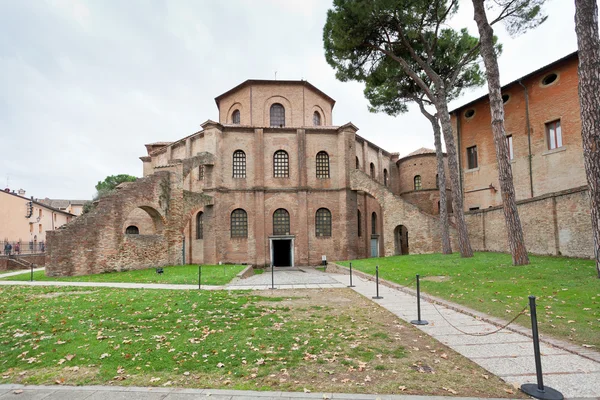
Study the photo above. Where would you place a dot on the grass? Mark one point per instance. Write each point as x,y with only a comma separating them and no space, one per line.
318,340
179,274
567,290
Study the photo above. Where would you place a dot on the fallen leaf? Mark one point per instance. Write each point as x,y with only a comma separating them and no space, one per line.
450,390
509,391
402,388
306,390
18,391
69,357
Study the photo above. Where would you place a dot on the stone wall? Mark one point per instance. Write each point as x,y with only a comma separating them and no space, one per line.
8,264
553,224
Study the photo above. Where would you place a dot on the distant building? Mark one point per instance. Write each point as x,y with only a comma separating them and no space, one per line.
25,220
74,207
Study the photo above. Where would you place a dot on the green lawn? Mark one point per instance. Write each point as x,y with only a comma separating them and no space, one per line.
567,289
179,274
318,340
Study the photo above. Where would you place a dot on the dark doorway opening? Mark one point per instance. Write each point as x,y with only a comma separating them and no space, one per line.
282,253
401,240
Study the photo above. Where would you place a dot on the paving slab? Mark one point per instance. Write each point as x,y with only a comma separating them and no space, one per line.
69,395
28,394
506,354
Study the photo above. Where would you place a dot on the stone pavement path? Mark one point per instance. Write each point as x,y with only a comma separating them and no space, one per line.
139,393
506,354
288,278
19,272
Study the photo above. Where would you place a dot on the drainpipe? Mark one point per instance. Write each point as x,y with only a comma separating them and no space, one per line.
528,137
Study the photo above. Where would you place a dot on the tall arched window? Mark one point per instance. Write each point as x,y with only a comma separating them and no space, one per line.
418,182
200,225
281,164
235,117
277,115
322,165
359,223
357,163
316,118
374,223
281,222
323,222
239,164
385,177
132,230
239,224
372,167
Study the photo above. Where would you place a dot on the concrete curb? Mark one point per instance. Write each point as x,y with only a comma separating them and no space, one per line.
571,348
246,272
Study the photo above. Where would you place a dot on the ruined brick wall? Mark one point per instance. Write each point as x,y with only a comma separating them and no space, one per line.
96,242
7,264
553,224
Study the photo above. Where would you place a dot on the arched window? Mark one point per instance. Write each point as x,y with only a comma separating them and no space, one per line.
316,118
357,163
322,165
277,115
281,164
418,182
132,230
239,224
323,222
239,164
200,225
374,223
372,170
359,223
385,177
281,222
235,117
437,181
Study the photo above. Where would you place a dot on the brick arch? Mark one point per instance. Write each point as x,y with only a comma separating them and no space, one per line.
158,220
317,108
287,105
235,106
424,228
203,158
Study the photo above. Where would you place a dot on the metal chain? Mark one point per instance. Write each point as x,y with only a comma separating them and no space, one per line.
480,334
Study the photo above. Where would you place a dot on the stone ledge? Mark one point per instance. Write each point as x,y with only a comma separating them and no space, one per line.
246,272
571,348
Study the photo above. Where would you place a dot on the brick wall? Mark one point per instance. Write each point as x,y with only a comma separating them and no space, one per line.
553,224
7,264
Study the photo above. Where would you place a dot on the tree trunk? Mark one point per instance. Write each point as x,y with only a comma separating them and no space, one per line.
444,225
588,41
464,244
516,241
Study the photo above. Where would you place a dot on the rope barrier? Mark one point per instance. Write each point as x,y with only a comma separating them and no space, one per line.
480,334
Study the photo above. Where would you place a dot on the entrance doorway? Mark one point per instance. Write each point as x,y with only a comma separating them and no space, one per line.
401,240
374,246
282,252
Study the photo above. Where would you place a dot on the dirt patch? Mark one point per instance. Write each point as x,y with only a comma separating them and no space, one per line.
438,278
379,354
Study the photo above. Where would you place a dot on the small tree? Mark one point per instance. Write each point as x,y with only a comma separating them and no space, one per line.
360,34
106,187
389,91
588,40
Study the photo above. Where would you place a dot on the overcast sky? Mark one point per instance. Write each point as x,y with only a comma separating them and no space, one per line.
85,84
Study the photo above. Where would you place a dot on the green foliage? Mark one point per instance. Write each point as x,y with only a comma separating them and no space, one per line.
518,16
110,183
568,297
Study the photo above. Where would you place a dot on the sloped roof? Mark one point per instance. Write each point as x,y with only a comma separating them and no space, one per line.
273,82
422,150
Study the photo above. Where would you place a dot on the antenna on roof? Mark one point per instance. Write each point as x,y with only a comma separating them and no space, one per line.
275,75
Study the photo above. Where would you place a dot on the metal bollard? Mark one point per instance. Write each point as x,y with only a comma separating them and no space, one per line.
199,276
272,279
377,282
31,272
419,321
538,391
351,285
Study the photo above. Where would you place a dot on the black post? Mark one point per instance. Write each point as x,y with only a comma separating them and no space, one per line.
419,321
31,272
377,282
272,278
351,285
538,391
199,276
